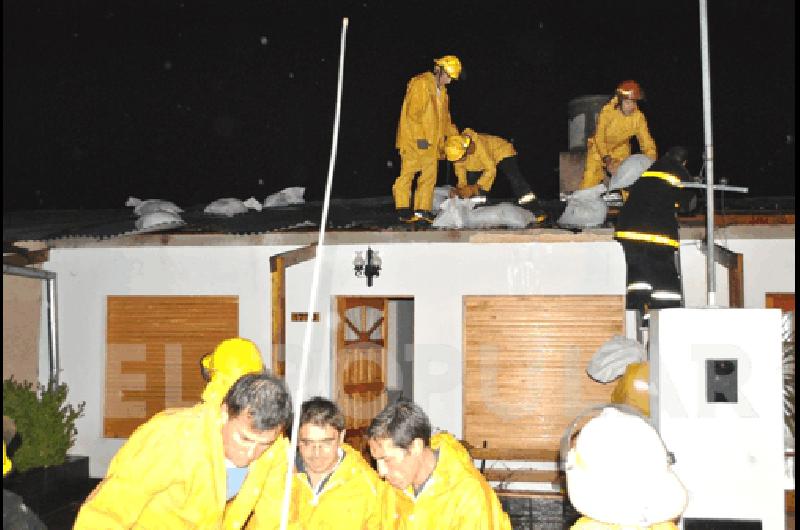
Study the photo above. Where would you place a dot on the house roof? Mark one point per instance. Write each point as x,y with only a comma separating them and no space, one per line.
356,215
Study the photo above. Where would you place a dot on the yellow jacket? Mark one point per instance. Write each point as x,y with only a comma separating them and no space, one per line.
456,496
585,523
171,474
633,388
352,498
424,115
489,151
614,131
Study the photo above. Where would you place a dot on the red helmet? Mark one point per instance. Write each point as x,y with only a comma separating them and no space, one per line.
630,89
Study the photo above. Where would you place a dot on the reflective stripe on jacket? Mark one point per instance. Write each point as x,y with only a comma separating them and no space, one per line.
489,151
456,496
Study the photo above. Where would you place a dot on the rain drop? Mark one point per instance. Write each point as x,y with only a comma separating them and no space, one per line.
264,40
389,163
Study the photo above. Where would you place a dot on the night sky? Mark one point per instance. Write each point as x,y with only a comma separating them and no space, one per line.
194,101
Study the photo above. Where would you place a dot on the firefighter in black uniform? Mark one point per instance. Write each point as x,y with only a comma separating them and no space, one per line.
647,228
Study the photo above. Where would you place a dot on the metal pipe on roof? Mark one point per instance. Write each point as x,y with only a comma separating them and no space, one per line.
52,329
708,155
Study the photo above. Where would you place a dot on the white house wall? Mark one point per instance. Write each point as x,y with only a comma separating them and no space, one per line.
86,276
436,274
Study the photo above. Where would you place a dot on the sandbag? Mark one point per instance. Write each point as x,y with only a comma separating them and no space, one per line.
613,357
141,207
629,171
585,208
159,221
285,197
229,207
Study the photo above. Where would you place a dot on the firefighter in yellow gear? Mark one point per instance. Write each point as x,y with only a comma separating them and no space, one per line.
476,159
619,121
434,481
619,474
633,388
175,469
6,462
230,360
424,123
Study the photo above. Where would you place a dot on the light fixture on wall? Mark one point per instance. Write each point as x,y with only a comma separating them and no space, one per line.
369,267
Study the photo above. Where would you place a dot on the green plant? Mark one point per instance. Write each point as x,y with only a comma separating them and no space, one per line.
45,422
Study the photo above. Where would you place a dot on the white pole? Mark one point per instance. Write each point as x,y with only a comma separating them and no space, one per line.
312,298
708,156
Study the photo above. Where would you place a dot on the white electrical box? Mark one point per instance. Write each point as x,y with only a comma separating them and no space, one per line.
716,392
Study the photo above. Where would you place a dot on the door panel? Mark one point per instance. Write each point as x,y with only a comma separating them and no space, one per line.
360,363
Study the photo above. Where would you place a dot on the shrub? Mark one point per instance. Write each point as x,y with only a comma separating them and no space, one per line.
45,422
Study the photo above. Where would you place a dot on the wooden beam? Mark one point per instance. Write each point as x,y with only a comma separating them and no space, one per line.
293,257
277,266
734,262
278,277
22,257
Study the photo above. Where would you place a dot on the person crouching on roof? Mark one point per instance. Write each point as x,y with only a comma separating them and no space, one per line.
477,157
618,122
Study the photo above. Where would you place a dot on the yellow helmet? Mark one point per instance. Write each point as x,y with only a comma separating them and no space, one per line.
6,461
456,146
229,361
450,64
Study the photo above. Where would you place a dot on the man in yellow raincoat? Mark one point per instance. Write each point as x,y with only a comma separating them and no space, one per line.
618,122
436,484
477,157
175,469
424,123
333,486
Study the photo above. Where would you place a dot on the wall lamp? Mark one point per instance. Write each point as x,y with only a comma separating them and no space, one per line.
369,267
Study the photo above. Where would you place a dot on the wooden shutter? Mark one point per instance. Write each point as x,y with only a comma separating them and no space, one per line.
525,361
153,349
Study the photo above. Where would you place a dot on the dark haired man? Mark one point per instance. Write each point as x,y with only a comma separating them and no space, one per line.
173,470
436,484
333,486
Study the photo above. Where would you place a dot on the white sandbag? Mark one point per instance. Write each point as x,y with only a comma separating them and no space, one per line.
585,208
159,221
462,213
141,207
229,207
285,197
454,213
629,171
610,361
440,194
504,214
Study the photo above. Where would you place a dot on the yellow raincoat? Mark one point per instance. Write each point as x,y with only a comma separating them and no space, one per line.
612,138
633,388
353,498
585,523
425,115
456,496
489,151
171,474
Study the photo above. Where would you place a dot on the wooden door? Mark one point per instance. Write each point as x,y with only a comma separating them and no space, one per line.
360,363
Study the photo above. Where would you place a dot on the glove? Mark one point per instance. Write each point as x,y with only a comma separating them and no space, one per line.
422,143
468,191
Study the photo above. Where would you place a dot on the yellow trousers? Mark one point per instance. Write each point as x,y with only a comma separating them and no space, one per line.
423,162
594,172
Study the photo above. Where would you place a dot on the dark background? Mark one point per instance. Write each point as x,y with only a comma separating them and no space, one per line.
193,101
